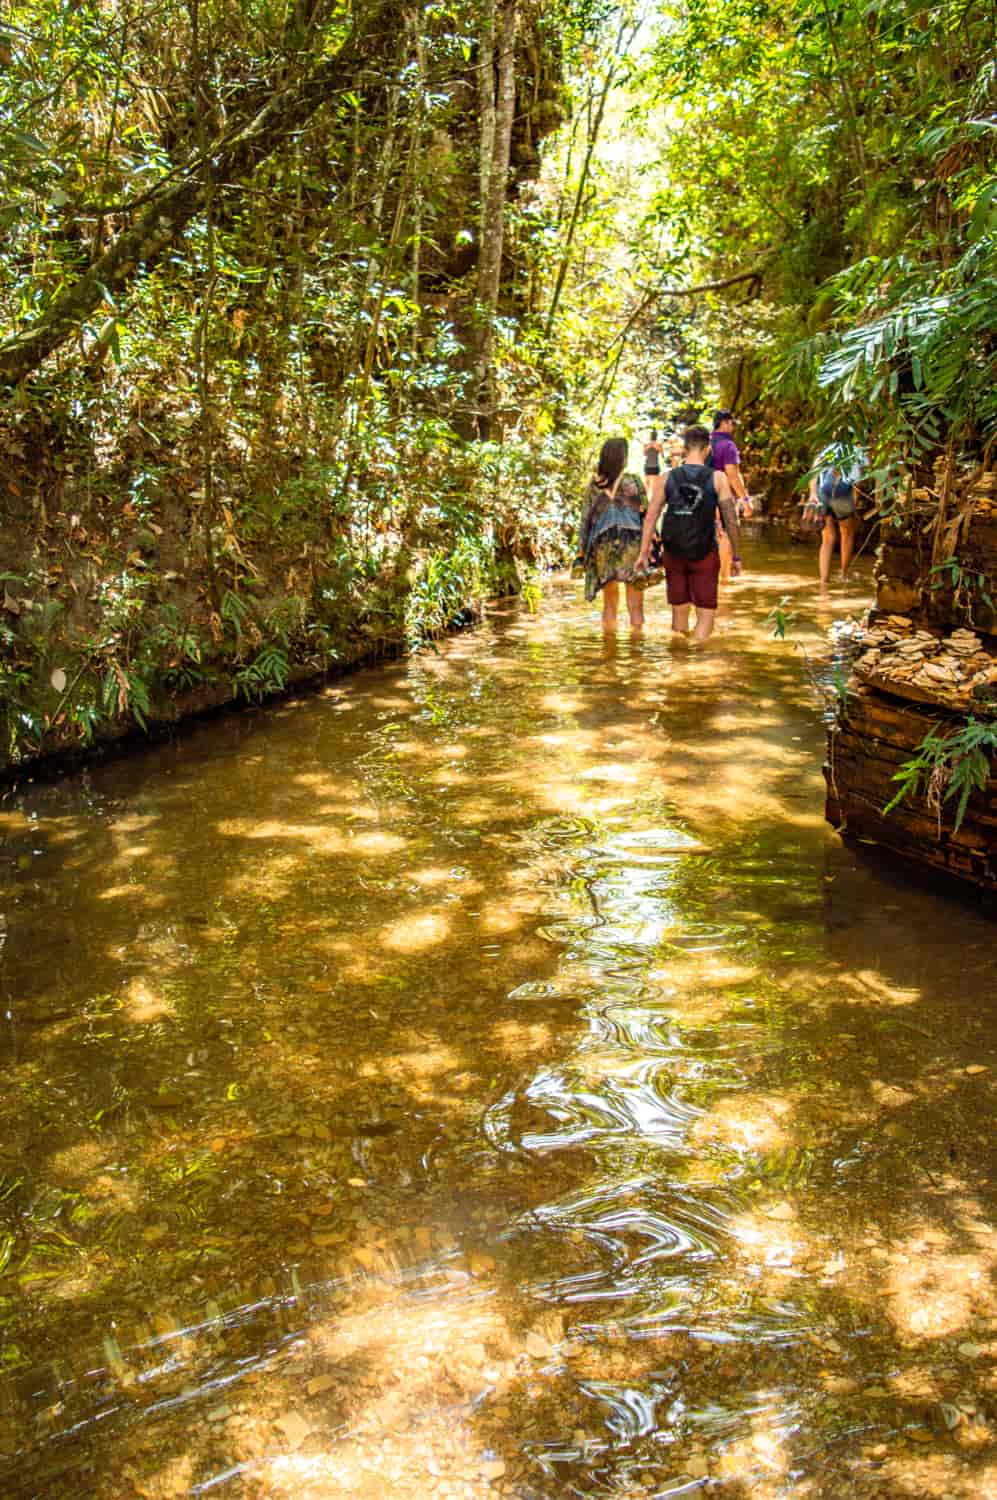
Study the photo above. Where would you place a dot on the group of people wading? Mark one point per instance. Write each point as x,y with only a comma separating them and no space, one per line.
698,501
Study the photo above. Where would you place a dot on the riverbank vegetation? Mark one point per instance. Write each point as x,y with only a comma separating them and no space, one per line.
311,316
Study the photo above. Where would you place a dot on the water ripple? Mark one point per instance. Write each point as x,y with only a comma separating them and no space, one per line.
574,1113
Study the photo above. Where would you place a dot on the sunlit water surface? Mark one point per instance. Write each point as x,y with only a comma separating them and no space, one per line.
491,1076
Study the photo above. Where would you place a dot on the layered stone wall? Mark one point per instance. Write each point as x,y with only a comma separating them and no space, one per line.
928,663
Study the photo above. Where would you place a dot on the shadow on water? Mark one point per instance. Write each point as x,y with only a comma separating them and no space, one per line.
492,1077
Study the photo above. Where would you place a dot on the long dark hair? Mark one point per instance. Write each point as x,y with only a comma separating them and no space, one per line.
611,461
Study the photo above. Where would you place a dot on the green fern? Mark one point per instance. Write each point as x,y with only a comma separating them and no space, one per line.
234,610
951,766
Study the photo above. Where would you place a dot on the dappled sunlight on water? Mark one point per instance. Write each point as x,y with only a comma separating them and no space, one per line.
491,1076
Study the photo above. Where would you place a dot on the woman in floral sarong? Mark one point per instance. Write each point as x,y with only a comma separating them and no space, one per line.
609,535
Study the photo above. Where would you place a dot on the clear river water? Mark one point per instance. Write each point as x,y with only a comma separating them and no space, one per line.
491,1076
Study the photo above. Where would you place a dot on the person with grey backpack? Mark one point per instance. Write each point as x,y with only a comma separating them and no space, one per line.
832,495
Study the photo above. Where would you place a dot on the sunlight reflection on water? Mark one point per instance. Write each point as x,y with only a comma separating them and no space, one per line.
442,1062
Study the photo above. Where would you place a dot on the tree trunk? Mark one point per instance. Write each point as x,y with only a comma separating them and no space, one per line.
417,192
493,219
230,159
486,105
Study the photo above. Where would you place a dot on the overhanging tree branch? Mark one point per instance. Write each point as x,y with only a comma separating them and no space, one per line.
230,160
651,292
654,293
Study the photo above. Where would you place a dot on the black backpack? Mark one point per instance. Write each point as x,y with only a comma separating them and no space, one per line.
689,524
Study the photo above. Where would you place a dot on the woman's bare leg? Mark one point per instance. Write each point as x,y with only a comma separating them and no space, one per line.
635,607
680,619
610,604
847,528
827,537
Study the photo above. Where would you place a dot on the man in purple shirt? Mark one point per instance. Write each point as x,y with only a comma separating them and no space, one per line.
725,458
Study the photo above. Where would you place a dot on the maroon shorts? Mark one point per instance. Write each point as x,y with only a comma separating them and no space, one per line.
692,582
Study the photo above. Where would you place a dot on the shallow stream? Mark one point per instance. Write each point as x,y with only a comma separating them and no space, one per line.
490,1076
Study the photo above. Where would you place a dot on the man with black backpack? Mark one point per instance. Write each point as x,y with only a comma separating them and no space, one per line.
691,558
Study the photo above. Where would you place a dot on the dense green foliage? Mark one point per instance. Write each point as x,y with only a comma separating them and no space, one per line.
841,159
252,452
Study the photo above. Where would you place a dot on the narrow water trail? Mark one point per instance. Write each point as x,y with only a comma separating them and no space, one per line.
491,1077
